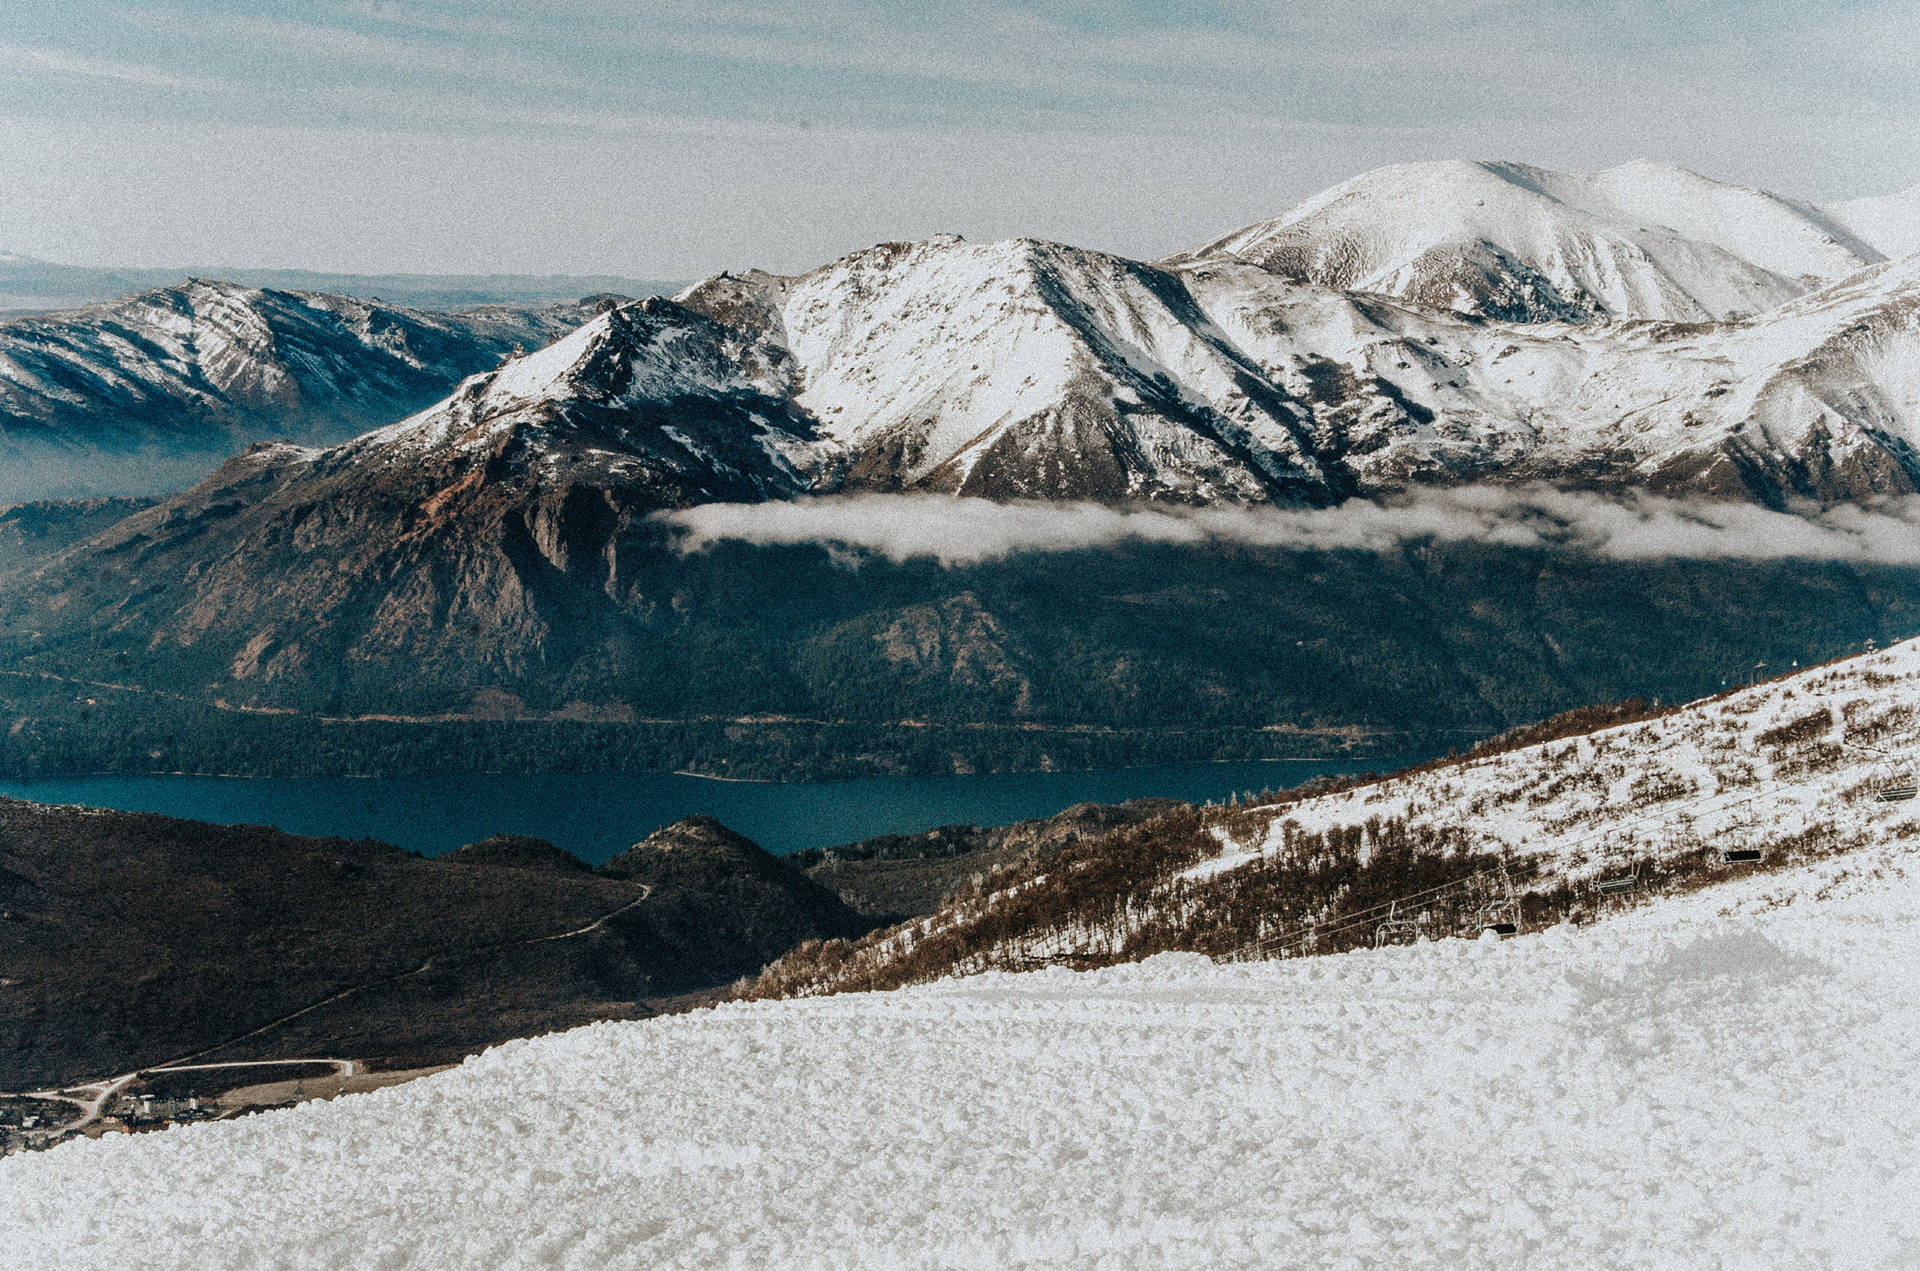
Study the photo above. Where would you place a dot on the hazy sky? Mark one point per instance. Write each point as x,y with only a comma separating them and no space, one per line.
673,138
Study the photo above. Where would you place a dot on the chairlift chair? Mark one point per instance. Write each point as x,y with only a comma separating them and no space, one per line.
1741,842
1500,912
1742,847
1502,917
1396,930
1492,906
1894,785
1617,885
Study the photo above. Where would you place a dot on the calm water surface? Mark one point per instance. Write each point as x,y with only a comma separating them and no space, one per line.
596,816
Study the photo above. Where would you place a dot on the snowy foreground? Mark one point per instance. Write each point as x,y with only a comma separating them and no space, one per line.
1723,1081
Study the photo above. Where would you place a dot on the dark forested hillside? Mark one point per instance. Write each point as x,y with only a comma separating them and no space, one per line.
129,940
779,662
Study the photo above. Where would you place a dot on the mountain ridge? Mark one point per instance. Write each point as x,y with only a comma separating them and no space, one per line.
115,398
1507,240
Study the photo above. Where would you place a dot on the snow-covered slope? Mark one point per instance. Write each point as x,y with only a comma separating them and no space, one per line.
1891,222
1788,769
189,373
1724,1081
1030,369
1787,762
1506,240
1023,368
1816,398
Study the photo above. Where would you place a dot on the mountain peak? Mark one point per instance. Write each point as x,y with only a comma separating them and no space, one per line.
1646,239
1647,164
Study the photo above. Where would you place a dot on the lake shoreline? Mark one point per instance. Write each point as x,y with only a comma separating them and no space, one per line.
595,815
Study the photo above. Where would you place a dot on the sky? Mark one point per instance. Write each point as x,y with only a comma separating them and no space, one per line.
670,139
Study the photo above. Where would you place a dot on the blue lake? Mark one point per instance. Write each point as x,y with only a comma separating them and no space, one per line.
598,815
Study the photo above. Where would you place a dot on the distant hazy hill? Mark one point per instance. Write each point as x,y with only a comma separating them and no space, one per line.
28,285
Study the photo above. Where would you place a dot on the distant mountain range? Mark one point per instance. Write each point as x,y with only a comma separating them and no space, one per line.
29,285
1641,328
145,393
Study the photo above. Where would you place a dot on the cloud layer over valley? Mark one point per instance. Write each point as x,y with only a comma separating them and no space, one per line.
965,531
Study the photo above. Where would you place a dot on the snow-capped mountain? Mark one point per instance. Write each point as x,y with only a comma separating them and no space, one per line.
1022,369
1510,241
1314,358
1030,369
467,533
649,398
1815,399
123,396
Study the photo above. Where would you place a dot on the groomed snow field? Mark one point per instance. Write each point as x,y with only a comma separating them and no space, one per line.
1726,1080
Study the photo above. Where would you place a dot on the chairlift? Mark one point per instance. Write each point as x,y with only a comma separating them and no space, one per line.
1503,919
1740,842
1894,785
1617,885
1395,929
1499,911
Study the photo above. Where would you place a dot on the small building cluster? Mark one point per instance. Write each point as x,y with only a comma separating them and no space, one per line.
151,1112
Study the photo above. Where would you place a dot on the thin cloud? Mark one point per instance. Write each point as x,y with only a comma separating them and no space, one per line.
64,62
967,531
342,44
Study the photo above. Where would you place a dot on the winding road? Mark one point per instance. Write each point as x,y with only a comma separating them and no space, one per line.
93,1097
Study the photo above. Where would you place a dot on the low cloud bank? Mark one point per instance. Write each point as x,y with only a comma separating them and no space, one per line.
965,531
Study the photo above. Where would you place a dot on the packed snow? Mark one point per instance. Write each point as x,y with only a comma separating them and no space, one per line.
1722,1082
